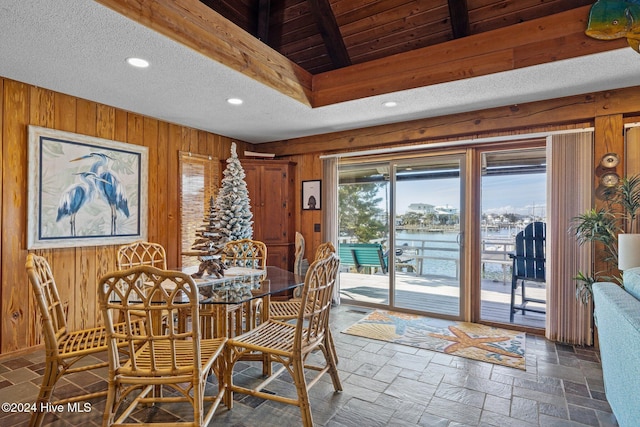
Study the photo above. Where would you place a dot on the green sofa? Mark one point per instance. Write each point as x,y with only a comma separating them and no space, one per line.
617,315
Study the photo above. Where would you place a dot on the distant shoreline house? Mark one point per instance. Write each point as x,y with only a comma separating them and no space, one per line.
446,210
423,208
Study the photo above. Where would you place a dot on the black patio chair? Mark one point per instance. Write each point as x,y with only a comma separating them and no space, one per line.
529,262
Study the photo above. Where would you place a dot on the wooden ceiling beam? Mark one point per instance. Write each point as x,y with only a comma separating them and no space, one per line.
328,27
459,14
264,11
197,26
552,38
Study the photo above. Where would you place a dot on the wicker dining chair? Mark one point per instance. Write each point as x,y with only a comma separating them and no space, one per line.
245,253
64,348
141,253
175,359
288,310
300,263
290,344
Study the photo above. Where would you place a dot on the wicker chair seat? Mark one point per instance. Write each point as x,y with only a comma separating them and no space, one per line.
210,349
272,336
88,341
79,343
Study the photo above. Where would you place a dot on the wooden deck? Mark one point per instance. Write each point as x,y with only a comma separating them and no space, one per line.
439,295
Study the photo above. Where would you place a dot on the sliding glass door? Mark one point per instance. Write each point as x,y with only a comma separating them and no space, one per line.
401,236
403,244
513,195
363,216
428,234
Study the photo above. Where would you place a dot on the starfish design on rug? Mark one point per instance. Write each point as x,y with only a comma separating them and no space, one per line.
463,340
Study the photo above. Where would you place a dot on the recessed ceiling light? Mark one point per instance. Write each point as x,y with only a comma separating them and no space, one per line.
234,101
138,62
390,104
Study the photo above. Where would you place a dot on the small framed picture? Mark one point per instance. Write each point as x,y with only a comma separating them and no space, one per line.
311,195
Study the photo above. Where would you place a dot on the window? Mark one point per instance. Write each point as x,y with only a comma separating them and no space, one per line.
199,181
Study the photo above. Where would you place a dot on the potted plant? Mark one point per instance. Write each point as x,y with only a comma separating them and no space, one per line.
602,226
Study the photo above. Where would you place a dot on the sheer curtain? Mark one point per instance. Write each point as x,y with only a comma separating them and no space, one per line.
330,209
569,193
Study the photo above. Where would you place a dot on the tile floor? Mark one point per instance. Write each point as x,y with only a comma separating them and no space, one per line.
384,385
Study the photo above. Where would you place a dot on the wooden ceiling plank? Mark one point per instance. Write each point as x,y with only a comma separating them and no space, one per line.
349,11
459,14
300,34
326,22
292,10
240,12
195,25
398,36
398,19
490,17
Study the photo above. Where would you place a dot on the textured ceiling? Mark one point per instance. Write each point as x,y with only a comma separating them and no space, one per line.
79,47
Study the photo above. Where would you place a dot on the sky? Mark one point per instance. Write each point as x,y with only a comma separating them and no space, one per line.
520,194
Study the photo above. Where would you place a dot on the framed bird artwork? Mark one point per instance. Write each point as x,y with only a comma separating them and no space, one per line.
85,191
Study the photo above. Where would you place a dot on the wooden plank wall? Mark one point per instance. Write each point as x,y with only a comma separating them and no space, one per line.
308,168
77,269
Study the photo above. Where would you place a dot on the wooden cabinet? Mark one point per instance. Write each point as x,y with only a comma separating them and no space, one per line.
271,190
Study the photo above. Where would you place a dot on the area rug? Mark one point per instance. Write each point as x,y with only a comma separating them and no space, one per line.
470,340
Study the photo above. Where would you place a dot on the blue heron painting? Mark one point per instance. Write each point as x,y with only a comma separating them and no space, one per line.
110,188
85,190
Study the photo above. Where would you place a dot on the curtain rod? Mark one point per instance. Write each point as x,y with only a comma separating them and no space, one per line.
447,144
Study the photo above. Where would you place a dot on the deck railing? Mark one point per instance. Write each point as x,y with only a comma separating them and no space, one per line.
415,254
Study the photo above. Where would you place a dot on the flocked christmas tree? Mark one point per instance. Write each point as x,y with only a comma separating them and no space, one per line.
233,206
210,243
